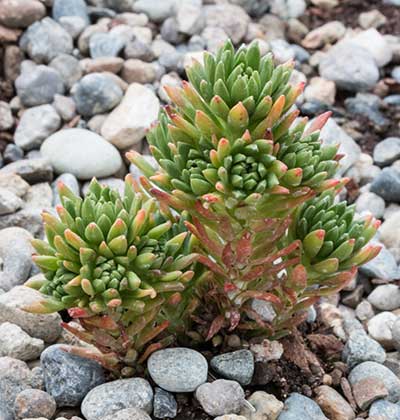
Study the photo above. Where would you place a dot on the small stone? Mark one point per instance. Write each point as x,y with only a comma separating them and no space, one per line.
156,11
74,25
46,327
267,350
375,44
387,151
350,66
34,403
164,404
229,17
127,124
298,406
35,125
364,311
385,297
68,378
320,90
264,309
65,107
385,409
387,185
82,153
105,45
9,202
367,391
14,183
84,37
380,328
328,33
289,8
380,372
95,65
96,93
128,414
138,71
38,86
238,366
178,369
6,118
21,13
383,266
220,397
139,50
46,39
282,51
362,348
111,397
13,57
372,19
371,203
190,18
333,404
16,343
267,406
68,68
76,8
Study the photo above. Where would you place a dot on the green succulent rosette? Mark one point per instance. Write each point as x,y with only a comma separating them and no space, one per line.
110,251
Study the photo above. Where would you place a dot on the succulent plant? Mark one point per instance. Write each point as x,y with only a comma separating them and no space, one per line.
234,154
115,262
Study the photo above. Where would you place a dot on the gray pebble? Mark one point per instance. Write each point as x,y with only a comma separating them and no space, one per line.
238,366
387,151
165,405
298,406
34,403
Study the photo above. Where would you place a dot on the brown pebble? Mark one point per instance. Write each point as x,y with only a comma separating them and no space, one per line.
346,388
368,390
333,404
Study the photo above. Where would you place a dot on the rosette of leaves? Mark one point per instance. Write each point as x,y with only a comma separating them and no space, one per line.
333,240
120,263
233,152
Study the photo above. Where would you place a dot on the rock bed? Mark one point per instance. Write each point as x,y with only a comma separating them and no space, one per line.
80,83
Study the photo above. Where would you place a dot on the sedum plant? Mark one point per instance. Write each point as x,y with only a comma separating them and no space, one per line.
259,186
120,265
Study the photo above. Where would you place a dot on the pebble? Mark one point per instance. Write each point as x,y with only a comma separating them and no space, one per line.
383,266
82,153
387,151
15,376
16,343
229,17
138,71
362,348
238,366
220,397
65,107
364,311
369,202
189,17
68,68
288,9
128,414
15,253
68,378
267,350
75,8
380,328
380,372
21,13
375,44
74,25
320,90
127,124
385,297
332,133
350,66
38,86
6,117
387,185
34,403
105,45
328,33
372,19
178,369
35,125
164,404
298,406
385,409
367,391
96,93
12,153
46,39
333,404
45,327
282,51
108,64
14,183
156,11
9,202
267,406
111,397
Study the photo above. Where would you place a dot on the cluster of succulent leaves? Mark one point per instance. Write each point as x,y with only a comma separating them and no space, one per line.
242,207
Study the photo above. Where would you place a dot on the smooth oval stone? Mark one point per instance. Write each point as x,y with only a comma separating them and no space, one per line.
178,369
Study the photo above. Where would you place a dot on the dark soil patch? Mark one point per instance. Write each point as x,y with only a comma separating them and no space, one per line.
348,11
